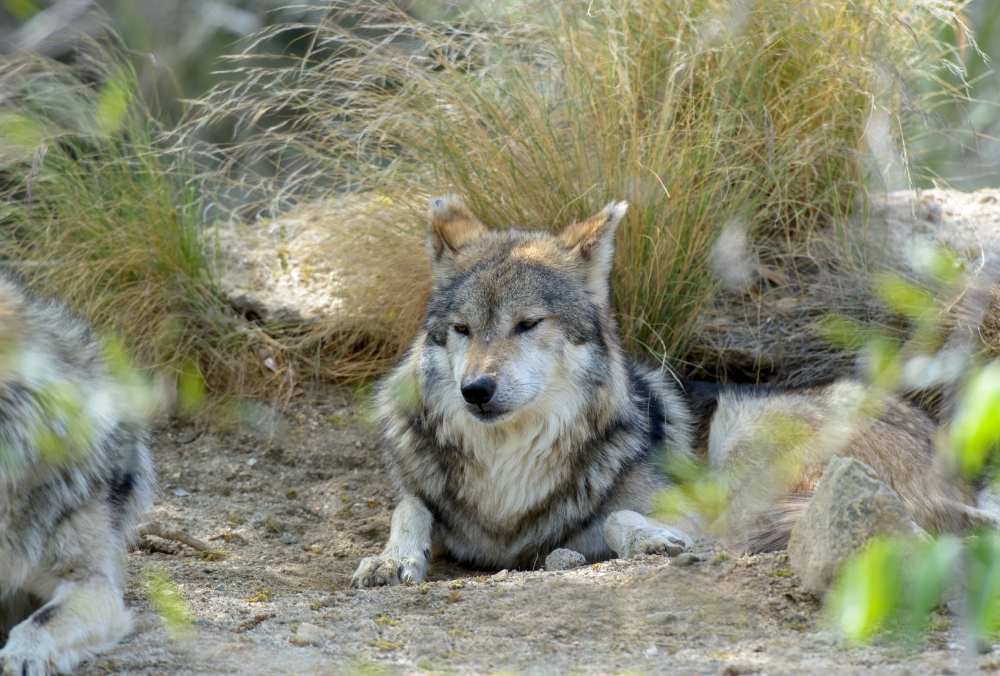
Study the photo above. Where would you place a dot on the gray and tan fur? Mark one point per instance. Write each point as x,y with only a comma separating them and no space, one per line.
516,424
75,477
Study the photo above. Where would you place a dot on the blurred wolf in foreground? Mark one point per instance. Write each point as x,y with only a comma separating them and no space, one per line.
516,424
75,476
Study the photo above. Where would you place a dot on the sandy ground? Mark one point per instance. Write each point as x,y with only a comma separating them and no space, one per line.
297,507
296,503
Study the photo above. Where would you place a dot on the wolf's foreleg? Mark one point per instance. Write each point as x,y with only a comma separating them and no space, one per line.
407,555
630,534
82,617
77,580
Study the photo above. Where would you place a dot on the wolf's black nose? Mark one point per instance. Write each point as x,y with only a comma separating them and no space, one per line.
479,391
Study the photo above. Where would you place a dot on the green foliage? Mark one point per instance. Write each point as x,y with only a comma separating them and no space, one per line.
695,490
22,10
982,597
191,389
975,430
64,432
167,602
868,595
894,585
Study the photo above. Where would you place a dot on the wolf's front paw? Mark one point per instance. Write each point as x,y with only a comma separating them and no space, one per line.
630,534
17,663
653,540
377,571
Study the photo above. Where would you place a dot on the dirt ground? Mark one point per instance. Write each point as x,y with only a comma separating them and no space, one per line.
297,499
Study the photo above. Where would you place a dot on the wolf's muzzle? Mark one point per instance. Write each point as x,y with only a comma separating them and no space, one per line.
479,391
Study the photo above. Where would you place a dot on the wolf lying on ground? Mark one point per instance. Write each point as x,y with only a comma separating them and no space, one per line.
516,424
75,476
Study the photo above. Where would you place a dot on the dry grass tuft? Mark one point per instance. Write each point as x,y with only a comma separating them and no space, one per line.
96,215
701,113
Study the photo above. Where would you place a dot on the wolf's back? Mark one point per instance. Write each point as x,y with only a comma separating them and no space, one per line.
69,434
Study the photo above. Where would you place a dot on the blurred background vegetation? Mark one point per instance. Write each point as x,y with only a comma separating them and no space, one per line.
177,45
133,128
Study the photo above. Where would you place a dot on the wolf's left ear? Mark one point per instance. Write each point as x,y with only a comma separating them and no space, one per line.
594,241
451,227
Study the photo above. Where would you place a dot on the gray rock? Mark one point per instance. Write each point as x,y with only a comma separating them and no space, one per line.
564,559
849,508
662,617
685,559
289,539
310,634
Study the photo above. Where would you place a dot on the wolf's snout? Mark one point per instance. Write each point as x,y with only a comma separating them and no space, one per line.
479,391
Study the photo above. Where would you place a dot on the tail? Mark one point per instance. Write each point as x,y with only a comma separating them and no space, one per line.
773,528
702,399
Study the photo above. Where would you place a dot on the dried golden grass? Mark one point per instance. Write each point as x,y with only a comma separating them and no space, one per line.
701,113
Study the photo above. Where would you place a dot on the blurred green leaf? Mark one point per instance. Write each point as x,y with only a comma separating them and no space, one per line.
937,262
907,298
935,564
681,468
20,135
866,595
168,603
191,388
112,107
405,390
885,364
64,433
22,10
845,332
975,430
982,584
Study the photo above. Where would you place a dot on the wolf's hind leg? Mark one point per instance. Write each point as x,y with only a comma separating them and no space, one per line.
82,618
407,555
630,534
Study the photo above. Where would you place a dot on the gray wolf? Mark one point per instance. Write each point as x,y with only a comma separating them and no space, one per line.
75,478
516,424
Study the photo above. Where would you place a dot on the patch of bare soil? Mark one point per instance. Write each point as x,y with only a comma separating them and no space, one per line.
297,506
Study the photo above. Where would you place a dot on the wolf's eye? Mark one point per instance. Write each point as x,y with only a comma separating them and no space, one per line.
462,329
527,325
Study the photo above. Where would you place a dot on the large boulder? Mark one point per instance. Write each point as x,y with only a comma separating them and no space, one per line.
850,507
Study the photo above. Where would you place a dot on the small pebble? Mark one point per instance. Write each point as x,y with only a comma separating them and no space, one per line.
685,559
651,651
289,539
310,634
825,638
564,559
501,576
662,617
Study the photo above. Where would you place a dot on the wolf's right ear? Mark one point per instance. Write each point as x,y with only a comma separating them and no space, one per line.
451,227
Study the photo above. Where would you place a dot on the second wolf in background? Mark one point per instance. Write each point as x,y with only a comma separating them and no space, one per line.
75,478
517,424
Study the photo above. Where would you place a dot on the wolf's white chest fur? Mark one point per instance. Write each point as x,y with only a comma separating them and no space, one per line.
518,463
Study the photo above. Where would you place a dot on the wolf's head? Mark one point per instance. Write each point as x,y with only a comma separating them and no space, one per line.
519,318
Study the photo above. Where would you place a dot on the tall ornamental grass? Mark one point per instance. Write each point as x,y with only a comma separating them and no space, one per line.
702,114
